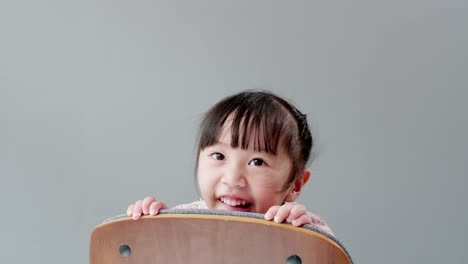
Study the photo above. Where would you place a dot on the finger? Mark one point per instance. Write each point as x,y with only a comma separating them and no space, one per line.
130,210
155,207
137,210
146,204
297,211
271,212
302,220
283,212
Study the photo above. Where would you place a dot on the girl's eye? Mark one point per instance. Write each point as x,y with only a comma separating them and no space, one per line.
257,162
217,156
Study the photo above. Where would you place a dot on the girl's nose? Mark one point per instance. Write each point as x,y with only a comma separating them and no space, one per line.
234,177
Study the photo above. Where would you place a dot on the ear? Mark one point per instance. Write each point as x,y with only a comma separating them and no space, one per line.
296,187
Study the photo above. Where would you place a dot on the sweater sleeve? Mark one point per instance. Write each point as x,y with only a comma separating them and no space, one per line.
195,205
320,223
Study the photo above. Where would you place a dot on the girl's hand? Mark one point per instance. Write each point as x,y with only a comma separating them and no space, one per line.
296,214
149,206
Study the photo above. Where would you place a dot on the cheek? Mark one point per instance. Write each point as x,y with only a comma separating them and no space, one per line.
268,195
267,184
201,170
205,175
264,196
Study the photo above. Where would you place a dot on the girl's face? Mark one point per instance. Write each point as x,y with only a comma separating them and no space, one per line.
243,180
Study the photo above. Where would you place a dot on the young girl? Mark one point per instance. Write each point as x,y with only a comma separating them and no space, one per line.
252,154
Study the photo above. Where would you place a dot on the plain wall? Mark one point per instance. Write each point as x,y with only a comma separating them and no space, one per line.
100,103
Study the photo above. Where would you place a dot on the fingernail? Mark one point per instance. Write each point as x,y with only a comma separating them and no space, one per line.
276,219
152,212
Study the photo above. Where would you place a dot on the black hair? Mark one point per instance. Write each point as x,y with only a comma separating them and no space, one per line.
255,112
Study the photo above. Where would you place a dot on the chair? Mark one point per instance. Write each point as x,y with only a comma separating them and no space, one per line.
211,236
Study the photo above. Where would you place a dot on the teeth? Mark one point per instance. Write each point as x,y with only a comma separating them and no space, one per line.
232,202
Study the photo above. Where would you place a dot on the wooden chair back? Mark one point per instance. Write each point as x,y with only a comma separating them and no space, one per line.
205,238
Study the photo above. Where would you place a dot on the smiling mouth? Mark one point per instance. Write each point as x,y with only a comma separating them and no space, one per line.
235,202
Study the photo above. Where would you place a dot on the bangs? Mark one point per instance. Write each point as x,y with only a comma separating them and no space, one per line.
260,117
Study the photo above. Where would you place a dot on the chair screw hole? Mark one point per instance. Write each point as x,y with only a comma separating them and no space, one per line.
124,250
293,259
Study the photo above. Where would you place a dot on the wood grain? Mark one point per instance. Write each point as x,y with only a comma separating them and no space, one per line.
173,238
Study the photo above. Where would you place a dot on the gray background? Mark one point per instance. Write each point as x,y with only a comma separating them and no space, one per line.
100,101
